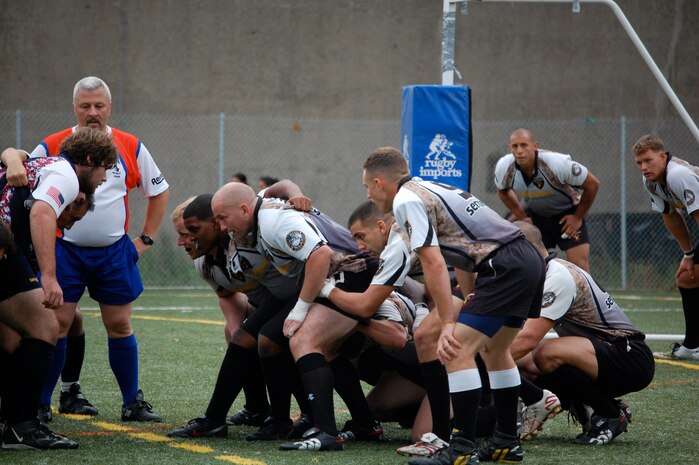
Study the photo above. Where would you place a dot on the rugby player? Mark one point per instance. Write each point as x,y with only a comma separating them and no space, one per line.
557,190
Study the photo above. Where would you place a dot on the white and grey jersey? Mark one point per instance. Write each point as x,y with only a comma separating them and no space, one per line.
553,188
217,275
246,263
465,229
397,308
397,260
680,189
579,306
287,237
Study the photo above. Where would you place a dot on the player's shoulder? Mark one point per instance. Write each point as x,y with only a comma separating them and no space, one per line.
678,169
275,215
505,161
398,242
553,157
123,135
125,141
559,271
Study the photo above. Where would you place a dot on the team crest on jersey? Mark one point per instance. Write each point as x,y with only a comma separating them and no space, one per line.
116,172
576,169
689,197
296,240
245,263
539,183
548,299
408,228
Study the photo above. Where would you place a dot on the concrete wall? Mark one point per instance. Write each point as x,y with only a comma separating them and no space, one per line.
346,59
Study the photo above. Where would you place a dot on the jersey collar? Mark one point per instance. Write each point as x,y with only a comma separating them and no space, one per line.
529,179
403,181
254,221
663,182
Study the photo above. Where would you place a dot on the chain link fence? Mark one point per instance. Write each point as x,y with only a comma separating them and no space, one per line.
197,153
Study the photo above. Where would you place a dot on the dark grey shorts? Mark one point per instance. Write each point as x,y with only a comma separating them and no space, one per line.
509,283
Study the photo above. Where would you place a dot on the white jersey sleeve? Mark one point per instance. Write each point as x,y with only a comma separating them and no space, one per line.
199,266
57,185
394,262
559,291
501,169
683,182
286,231
152,180
412,216
396,308
567,170
39,151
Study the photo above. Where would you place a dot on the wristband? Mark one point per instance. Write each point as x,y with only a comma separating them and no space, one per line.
298,313
327,288
689,254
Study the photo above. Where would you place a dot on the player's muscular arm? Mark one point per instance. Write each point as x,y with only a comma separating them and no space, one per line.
363,304
509,198
531,334
16,174
155,210
570,224
286,189
42,221
678,228
315,273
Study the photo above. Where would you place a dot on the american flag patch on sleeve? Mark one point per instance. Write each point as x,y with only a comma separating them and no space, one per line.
56,195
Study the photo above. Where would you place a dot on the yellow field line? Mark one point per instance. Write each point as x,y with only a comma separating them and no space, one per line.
239,460
677,382
192,447
690,366
111,426
161,318
152,437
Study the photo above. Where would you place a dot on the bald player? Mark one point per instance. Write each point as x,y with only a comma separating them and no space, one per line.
557,190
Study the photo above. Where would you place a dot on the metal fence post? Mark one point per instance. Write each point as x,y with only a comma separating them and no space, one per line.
18,129
221,147
622,202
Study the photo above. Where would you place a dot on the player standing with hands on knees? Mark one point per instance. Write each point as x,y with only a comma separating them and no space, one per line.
673,185
558,191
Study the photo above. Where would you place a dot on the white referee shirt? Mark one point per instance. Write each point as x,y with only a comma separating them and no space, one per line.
108,221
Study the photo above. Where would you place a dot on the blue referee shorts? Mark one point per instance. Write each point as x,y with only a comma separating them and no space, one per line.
110,273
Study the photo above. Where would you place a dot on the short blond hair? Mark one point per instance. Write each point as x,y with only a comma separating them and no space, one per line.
179,210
